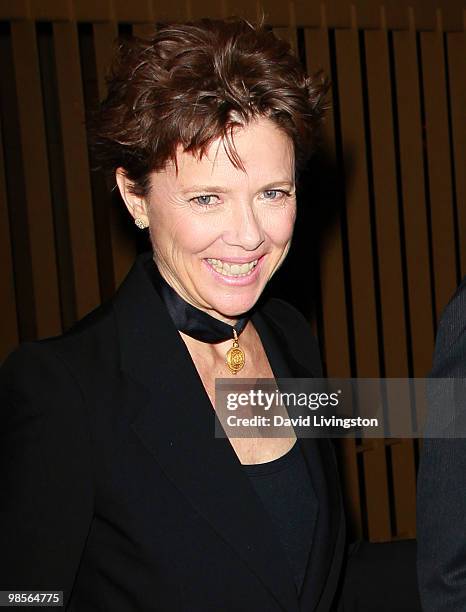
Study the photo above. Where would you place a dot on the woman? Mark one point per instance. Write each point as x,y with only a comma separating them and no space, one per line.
117,491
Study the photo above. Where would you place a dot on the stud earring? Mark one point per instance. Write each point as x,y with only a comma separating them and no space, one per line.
141,223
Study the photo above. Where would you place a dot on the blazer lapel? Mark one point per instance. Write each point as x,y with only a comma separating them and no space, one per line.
176,424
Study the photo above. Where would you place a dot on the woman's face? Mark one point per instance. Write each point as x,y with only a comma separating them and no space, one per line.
218,232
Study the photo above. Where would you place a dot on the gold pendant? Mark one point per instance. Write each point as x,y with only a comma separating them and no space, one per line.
235,356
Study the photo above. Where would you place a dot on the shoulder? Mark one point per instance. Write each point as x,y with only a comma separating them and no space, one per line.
450,346
49,367
30,365
453,320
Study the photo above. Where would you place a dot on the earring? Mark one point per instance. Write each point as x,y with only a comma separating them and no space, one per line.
141,223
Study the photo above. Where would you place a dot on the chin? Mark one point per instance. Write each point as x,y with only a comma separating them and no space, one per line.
235,308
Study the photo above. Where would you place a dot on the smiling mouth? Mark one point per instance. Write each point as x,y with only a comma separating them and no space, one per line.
227,269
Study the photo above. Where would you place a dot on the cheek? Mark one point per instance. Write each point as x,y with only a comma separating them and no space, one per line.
279,225
182,231
199,231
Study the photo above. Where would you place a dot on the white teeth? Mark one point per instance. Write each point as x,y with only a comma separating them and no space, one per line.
227,269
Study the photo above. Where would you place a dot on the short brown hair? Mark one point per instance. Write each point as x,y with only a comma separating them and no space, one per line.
195,82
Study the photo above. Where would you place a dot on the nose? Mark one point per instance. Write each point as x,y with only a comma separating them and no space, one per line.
245,230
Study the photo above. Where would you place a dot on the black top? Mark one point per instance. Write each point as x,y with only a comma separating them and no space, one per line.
285,489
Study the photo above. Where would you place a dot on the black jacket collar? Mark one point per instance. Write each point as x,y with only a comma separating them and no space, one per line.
175,421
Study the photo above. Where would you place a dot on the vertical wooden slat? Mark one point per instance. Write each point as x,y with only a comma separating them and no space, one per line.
76,165
57,174
411,162
456,50
360,257
16,191
40,227
439,164
358,206
414,198
8,321
383,161
335,324
122,243
105,45
376,489
390,269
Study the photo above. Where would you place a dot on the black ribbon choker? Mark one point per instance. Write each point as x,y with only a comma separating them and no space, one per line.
197,323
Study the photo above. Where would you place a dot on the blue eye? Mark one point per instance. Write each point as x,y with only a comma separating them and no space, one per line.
271,194
275,194
204,200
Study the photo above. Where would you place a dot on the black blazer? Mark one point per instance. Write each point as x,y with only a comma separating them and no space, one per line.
114,487
441,497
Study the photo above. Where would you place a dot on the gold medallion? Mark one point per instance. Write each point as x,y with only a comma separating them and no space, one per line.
235,357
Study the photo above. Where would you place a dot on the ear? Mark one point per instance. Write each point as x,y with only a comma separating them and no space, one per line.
135,204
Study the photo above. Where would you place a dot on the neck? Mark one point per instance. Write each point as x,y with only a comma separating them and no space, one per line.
179,290
203,324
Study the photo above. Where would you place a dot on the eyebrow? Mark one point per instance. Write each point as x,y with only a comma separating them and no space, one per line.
219,189
207,188
284,183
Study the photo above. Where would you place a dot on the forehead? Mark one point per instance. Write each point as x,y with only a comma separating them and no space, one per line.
265,151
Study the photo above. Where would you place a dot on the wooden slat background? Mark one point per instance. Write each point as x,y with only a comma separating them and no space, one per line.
393,242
